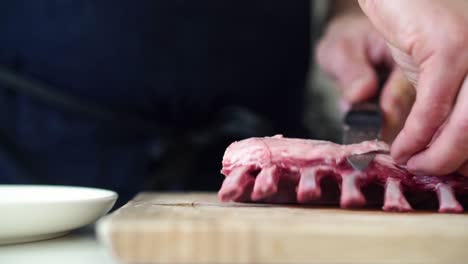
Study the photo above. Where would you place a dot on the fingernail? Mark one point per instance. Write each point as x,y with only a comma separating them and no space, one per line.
414,168
359,83
417,173
400,159
356,90
397,156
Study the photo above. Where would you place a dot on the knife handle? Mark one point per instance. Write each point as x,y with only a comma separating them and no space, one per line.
368,113
365,114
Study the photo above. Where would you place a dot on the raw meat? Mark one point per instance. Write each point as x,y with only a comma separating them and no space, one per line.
285,170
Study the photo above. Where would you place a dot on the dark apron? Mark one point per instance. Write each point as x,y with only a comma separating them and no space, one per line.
110,93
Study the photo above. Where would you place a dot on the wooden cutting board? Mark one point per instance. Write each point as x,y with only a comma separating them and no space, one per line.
195,228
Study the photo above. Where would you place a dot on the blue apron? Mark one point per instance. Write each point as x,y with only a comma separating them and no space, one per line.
172,62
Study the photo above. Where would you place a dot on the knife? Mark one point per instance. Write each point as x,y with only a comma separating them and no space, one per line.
363,122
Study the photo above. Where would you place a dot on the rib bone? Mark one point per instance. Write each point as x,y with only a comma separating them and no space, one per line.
236,184
266,183
309,185
447,201
394,199
351,195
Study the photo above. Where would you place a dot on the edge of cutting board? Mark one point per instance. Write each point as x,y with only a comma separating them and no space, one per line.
195,228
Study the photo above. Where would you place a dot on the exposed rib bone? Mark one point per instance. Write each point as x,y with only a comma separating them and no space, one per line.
394,199
447,201
235,184
266,183
351,195
309,184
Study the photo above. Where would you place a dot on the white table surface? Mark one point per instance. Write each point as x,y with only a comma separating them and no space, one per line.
79,246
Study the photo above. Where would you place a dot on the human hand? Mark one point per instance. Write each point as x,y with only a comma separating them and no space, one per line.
429,41
349,52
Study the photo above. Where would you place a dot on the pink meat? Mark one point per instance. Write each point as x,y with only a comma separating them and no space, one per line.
285,170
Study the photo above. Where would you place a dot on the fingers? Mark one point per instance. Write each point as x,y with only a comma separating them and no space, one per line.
437,87
345,60
434,138
449,151
396,101
348,56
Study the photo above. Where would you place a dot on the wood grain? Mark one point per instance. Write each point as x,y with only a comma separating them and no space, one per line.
196,228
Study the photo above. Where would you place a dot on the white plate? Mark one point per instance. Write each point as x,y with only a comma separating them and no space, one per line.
37,212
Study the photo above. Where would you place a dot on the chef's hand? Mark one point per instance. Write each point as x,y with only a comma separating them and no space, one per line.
349,52
429,41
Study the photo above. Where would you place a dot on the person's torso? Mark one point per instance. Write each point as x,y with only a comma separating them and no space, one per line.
165,57
176,60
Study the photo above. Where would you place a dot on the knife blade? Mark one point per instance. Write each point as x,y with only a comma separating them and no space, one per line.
363,122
